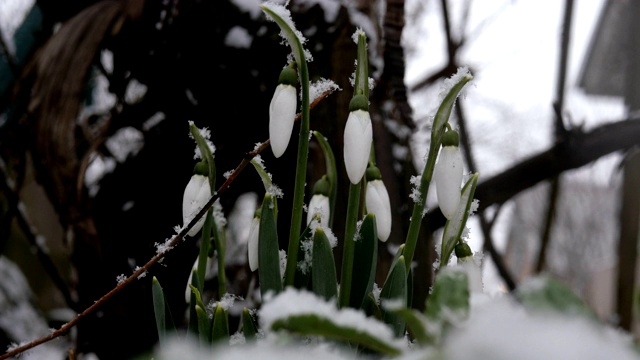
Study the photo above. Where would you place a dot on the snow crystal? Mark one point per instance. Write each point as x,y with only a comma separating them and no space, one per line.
294,302
275,191
121,278
449,83
376,292
283,262
356,236
415,195
141,275
285,14
356,35
237,339
226,302
474,206
162,248
227,174
321,86
238,37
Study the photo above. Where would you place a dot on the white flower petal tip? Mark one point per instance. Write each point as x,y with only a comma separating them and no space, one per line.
358,135
282,114
252,244
378,202
448,180
196,195
319,204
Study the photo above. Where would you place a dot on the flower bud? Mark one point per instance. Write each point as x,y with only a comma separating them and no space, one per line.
282,112
358,135
252,243
377,201
448,175
319,203
196,195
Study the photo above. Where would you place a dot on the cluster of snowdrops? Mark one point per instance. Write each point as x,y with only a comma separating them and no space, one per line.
306,309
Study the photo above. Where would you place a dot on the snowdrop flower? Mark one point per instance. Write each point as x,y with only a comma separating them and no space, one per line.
196,195
378,203
252,244
282,111
358,135
448,174
319,203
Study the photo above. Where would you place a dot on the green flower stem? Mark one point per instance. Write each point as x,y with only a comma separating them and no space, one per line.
353,205
303,146
439,123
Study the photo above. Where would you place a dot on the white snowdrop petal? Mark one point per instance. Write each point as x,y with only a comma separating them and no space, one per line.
358,135
252,245
448,179
282,113
378,203
196,195
319,204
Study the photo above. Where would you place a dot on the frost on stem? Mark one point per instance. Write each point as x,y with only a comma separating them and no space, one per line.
321,86
449,83
206,135
284,13
415,195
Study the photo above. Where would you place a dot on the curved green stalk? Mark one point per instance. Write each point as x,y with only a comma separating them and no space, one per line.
441,118
303,142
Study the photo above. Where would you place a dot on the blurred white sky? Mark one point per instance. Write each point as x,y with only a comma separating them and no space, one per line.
513,49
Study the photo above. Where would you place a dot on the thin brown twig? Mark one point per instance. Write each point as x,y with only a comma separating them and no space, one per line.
162,249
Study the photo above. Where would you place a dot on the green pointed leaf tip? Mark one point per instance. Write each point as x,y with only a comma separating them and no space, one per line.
302,312
394,296
248,325
451,88
323,271
159,307
282,17
361,85
268,249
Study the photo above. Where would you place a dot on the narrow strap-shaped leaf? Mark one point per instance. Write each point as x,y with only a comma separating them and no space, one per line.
206,154
164,321
248,325
204,325
220,244
313,324
395,290
364,263
268,250
445,108
330,171
454,227
323,270
195,298
205,244
220,330
348,247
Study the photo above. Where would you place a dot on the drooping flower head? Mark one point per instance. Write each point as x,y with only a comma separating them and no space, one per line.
319,203
448,174
282,111
358,136
196,195
378,203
